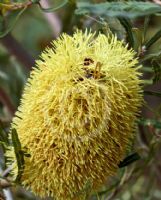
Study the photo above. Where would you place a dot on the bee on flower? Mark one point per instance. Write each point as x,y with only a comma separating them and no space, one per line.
77,114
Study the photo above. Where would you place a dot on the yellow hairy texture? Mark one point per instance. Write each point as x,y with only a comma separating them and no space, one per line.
77,114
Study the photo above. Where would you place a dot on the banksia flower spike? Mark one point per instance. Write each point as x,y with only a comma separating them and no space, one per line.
77,114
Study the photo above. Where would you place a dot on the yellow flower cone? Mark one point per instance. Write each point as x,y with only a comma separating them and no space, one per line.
77,114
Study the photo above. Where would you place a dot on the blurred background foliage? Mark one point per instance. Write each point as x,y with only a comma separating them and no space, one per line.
27,27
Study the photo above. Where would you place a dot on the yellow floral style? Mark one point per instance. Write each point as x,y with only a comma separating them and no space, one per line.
77,114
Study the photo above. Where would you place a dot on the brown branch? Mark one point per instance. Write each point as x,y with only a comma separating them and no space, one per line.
53,19
2,197
5,184
5,100
124,180
15,6
157,2
7,171
16,49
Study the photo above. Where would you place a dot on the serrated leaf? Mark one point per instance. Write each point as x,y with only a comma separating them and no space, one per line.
129,159
116,27
18,152
130,9
15,140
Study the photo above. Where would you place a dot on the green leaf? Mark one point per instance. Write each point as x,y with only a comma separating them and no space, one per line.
15,140
129,159
130,9
3,137
151,56
138,40
126,23
150,122
157,94
156,67
19,153
53,8
157,71
156,37
146,24
11,26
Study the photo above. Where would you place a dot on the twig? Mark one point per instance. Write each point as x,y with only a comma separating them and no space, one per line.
16,49
4,183
53,20
125,178
7,102
2,197
15,6
6,171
